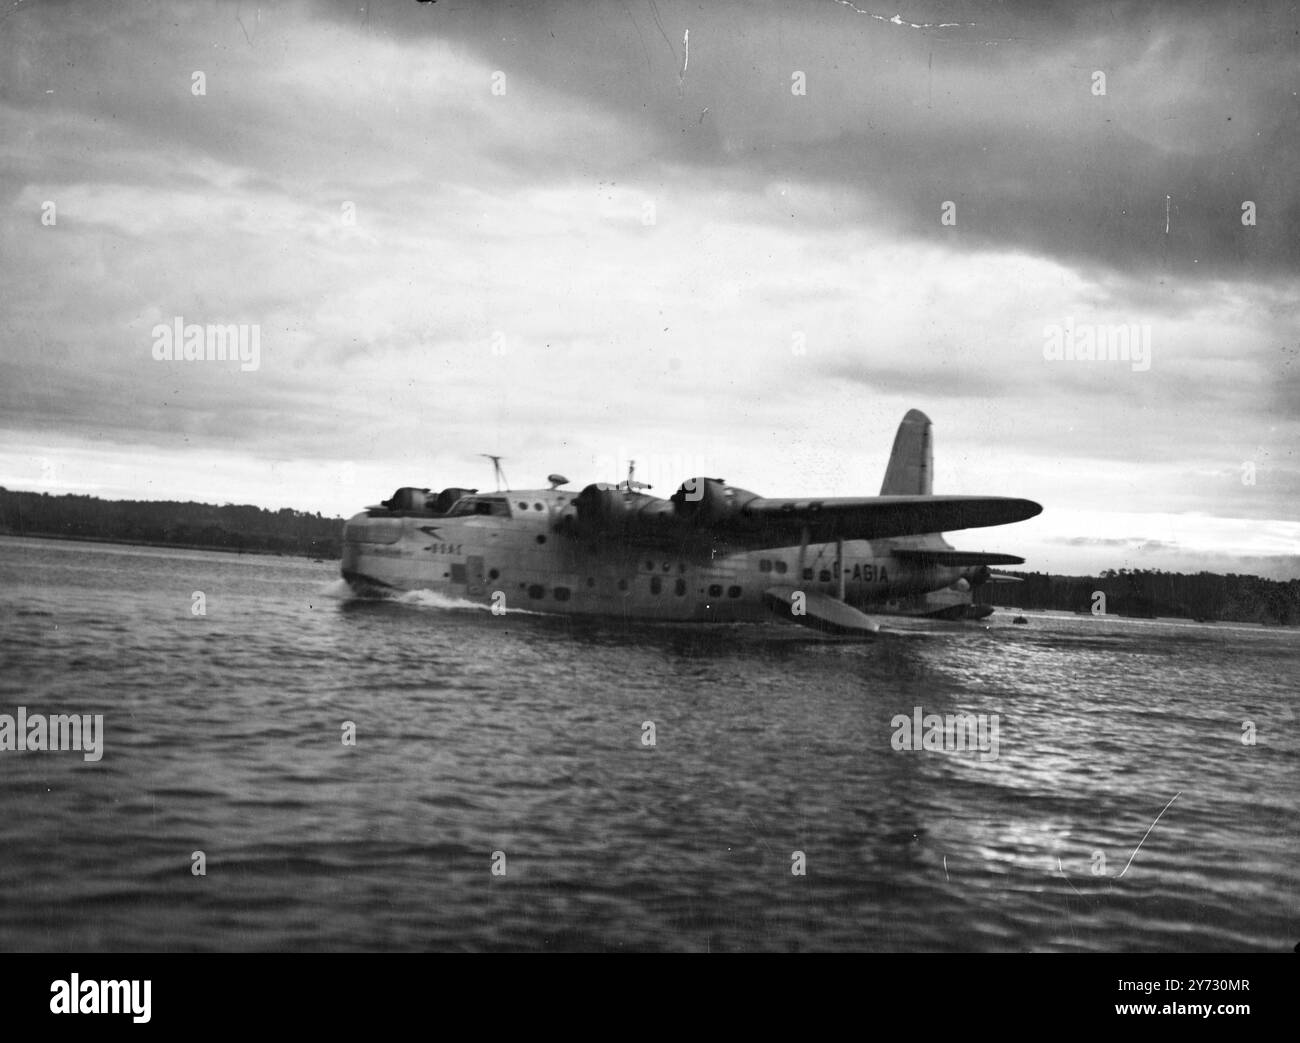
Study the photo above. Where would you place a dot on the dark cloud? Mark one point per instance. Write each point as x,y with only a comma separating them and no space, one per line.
996,115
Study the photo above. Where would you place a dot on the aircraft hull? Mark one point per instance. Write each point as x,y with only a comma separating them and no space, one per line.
524,564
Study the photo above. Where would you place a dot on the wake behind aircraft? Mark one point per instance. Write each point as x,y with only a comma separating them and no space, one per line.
709,553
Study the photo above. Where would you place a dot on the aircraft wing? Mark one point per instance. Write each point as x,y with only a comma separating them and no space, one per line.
953,558
708,509
771,522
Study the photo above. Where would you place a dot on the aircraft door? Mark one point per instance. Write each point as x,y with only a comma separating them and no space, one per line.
474,576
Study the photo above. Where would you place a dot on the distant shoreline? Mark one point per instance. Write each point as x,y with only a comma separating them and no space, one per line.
1223,624
163,544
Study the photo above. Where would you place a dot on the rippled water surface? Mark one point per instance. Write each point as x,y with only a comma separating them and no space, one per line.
523,735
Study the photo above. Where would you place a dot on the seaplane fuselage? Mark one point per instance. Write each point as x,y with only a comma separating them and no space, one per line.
711,552
515,554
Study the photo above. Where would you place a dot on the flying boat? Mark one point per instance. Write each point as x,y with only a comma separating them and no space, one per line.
711,552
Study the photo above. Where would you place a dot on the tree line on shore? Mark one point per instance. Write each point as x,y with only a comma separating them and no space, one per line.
232,527
1148,593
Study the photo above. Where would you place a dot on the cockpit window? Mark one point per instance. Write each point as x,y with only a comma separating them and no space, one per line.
491,506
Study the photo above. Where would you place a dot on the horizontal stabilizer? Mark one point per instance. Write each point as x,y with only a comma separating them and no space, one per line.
819,611
954,558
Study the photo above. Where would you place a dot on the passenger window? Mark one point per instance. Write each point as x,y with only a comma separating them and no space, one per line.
807,573
537,592
733,592
680,588
715,590
656,585
824,576
561,593
781,568
765,565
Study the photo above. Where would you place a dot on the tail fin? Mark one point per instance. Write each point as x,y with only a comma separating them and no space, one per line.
911,464
911,473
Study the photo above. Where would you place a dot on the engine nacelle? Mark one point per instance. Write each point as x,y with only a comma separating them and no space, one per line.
411,500
709,501
446,499
604,510
407,498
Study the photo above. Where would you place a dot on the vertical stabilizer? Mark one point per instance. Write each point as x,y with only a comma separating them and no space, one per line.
911,464
911,472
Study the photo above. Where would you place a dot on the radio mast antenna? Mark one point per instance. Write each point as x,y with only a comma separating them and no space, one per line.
632,485
497,469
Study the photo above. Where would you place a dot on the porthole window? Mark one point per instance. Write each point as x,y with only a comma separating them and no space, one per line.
715,590
667,567
523,506
561,593
733,592
781,567
537,592
541,539
538,507
493,573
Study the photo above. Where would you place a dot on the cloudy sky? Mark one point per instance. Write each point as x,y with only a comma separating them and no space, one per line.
737,239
